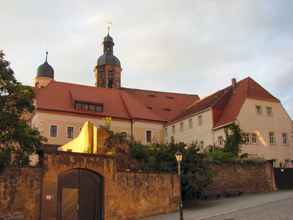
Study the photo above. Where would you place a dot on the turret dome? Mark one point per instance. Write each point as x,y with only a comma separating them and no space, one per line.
45,70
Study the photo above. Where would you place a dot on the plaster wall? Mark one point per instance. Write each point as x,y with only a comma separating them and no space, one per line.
261,124
197,133
43,121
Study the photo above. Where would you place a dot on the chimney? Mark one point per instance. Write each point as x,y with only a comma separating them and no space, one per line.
234,83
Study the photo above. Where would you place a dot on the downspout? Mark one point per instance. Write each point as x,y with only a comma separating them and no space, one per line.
131,129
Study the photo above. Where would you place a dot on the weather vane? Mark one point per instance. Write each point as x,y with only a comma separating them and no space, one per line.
109,25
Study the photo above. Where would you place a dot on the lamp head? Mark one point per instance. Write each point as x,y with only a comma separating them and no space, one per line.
178,156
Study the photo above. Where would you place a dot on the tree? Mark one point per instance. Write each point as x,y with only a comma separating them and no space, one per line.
161,157
17,139
233,140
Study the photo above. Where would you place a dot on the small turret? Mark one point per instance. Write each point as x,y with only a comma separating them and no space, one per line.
45,74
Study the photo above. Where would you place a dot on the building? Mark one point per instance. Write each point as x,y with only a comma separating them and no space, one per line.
157,117
261,116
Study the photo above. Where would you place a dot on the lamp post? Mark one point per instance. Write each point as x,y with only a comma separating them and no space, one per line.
179,156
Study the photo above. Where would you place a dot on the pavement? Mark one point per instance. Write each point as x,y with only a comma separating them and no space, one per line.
265,206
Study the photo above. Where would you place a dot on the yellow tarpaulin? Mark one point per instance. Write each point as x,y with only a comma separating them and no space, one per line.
89,140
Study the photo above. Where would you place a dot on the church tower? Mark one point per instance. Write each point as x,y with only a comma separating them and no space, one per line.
108,69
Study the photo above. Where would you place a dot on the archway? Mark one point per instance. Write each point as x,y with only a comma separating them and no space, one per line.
80,195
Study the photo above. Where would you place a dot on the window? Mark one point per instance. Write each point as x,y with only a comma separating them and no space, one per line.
53,131
269,111
84,106
78,106
88,107
246,138
111,79
181,126
253,138
190,123
220,140
272,138
166,132
92,108
173,129
148,136
285,138
200,120
70,131
99,108
201,145
258,109
287,163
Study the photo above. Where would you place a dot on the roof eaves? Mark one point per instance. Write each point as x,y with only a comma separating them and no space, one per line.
188,116
224,125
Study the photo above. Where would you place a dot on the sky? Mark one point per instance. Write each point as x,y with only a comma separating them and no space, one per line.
190,46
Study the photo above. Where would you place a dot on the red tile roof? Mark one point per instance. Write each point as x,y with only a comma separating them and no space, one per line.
121,103
226,103
127,103
247,88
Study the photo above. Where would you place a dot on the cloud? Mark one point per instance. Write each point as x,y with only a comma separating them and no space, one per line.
195,47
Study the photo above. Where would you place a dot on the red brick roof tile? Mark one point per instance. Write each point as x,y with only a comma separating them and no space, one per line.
121,103
226,103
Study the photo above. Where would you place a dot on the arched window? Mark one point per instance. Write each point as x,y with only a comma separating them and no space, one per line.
110,79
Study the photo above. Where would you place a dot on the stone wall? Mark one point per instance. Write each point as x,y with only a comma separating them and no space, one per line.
127,195
138,195
246,177
20,193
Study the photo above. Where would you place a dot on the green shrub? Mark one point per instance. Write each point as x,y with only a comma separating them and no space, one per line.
161,157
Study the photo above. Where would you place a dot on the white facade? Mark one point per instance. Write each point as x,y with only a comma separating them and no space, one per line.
257,124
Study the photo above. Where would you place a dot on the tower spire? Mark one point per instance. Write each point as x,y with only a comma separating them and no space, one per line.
109,25
46,60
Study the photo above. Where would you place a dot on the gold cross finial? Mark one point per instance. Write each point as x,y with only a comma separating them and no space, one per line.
109,25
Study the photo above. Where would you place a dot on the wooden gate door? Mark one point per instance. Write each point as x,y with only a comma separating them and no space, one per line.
80,195
284,178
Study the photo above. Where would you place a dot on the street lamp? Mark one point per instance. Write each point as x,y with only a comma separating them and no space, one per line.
179,156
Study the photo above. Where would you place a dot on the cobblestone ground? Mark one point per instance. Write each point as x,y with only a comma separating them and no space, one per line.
279,210
267,206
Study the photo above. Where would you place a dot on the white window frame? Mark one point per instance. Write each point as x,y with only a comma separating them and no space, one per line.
182,126
253,141
199,118
50,134
286,138
166,132
146,141
272,139
190,123
173,129
258,109
220,140
246,138
67,133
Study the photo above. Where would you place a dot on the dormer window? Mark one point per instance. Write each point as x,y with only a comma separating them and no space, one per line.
169,97
90,107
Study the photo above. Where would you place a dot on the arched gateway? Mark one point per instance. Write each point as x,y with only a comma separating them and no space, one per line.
80,195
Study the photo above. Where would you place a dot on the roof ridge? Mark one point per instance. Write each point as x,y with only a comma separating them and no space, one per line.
155,91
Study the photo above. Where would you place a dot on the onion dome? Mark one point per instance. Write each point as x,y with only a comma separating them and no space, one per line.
45,70
108,56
